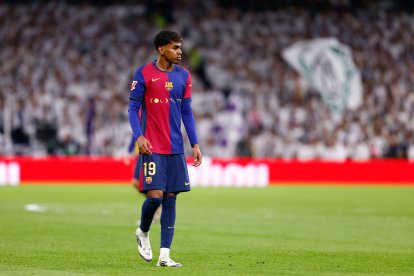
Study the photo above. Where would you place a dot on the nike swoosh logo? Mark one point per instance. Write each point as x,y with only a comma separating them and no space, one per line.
186,183
155,79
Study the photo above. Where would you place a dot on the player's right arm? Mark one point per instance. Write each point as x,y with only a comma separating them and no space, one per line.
136,97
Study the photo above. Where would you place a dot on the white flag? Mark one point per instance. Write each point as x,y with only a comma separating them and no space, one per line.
327,66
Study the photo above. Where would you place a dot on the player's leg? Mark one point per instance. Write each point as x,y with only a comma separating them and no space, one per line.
152,175
167,230
138,186
156,218
150,205
178,181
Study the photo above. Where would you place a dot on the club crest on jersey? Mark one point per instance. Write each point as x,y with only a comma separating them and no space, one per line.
169,86
148,179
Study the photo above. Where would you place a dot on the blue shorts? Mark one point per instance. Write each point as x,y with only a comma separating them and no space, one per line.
166,172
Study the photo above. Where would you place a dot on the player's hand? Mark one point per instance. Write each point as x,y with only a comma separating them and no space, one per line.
144,146
197,156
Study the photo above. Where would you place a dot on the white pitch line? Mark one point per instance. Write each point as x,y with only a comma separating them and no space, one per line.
33,207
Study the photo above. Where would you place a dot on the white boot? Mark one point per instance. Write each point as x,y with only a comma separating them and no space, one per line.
144,246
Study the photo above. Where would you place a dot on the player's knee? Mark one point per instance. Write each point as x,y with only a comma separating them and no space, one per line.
155,194
168,202
154,201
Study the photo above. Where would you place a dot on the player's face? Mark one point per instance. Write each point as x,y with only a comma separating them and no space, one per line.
172,52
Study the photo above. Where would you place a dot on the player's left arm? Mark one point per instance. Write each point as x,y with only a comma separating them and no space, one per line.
187,116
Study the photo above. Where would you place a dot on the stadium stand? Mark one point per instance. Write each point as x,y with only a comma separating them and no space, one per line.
66,69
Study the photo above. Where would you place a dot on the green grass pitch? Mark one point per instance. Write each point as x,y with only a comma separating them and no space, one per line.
282,230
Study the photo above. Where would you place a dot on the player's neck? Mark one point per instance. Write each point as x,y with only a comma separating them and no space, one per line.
164,65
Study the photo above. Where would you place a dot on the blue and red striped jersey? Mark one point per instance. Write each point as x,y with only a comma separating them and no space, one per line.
163,96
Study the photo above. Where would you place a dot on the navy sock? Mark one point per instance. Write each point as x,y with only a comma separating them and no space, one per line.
167,221
149,207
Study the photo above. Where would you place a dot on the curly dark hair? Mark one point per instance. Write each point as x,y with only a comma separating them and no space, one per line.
165,37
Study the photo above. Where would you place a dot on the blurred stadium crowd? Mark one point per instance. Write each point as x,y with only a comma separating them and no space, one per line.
65,72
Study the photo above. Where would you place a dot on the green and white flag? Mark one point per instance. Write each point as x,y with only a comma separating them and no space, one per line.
327,65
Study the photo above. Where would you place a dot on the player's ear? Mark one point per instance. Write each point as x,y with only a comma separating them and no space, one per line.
161,50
